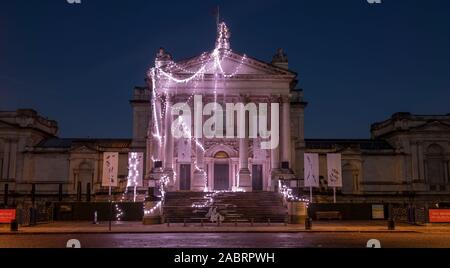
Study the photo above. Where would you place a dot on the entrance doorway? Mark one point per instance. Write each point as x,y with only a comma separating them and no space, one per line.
257,178
185,177
221,177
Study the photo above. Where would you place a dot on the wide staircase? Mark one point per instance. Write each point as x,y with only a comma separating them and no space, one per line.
255,207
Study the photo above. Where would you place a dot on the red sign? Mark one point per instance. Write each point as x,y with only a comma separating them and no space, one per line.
440,215
7,215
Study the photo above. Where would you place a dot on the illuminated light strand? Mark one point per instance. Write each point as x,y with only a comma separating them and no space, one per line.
287,194
210,62
164,181
187,80
157,135
204,58
133,174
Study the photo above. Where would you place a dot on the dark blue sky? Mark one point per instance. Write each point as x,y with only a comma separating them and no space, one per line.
358,63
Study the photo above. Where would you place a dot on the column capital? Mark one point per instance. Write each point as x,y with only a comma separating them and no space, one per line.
275,98
286,98
169,97
245,98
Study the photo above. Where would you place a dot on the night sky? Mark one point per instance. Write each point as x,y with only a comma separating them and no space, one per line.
358,63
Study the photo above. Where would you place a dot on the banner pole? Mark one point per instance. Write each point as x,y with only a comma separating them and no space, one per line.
110,204
334,194
310,194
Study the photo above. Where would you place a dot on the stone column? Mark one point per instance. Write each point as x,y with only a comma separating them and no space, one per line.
169,141
12,160
156,125
414,162
245,181
275,153
298,139
149,163
5,161
200,179
286,155
421,163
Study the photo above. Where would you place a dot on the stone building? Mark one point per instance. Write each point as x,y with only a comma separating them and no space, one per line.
405,160
34,160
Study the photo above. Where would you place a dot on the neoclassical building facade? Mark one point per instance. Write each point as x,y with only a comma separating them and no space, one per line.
406,159
220,162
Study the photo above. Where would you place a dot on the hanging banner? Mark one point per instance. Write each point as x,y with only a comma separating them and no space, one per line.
312,170
110,169
334,164
135,169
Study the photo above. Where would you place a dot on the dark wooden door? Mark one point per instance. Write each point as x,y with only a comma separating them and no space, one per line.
221,177
185,177
257,178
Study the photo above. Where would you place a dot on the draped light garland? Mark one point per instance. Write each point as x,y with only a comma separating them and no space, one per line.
168,72
289,196
163,74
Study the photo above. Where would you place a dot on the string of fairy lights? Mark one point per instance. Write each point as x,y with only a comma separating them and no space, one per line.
162,76
168,73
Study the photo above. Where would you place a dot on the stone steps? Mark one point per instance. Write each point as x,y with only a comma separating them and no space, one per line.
235,207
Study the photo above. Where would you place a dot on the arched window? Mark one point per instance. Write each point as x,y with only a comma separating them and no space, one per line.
221,155
435,165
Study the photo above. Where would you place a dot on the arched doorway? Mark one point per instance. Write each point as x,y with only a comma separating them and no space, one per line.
85,181
221,171
350,177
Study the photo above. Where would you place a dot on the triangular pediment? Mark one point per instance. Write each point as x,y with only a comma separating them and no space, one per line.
433,126
82,149
347,150
231,63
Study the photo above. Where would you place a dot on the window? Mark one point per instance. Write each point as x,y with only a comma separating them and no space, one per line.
435,165
221,155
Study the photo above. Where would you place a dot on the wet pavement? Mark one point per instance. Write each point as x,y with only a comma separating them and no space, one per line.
138,227
229,240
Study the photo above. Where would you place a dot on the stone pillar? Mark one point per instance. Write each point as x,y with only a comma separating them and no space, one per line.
414,162
286,154
156,128
5,160
169,141
275,167
421,163
200,179
275,159
298,118
446,178
245,181
149,163
12,160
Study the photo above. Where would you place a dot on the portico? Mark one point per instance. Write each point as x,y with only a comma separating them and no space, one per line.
220,161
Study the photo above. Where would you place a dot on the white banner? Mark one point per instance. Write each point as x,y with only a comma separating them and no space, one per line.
334,164
110,169
312,170
135,169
